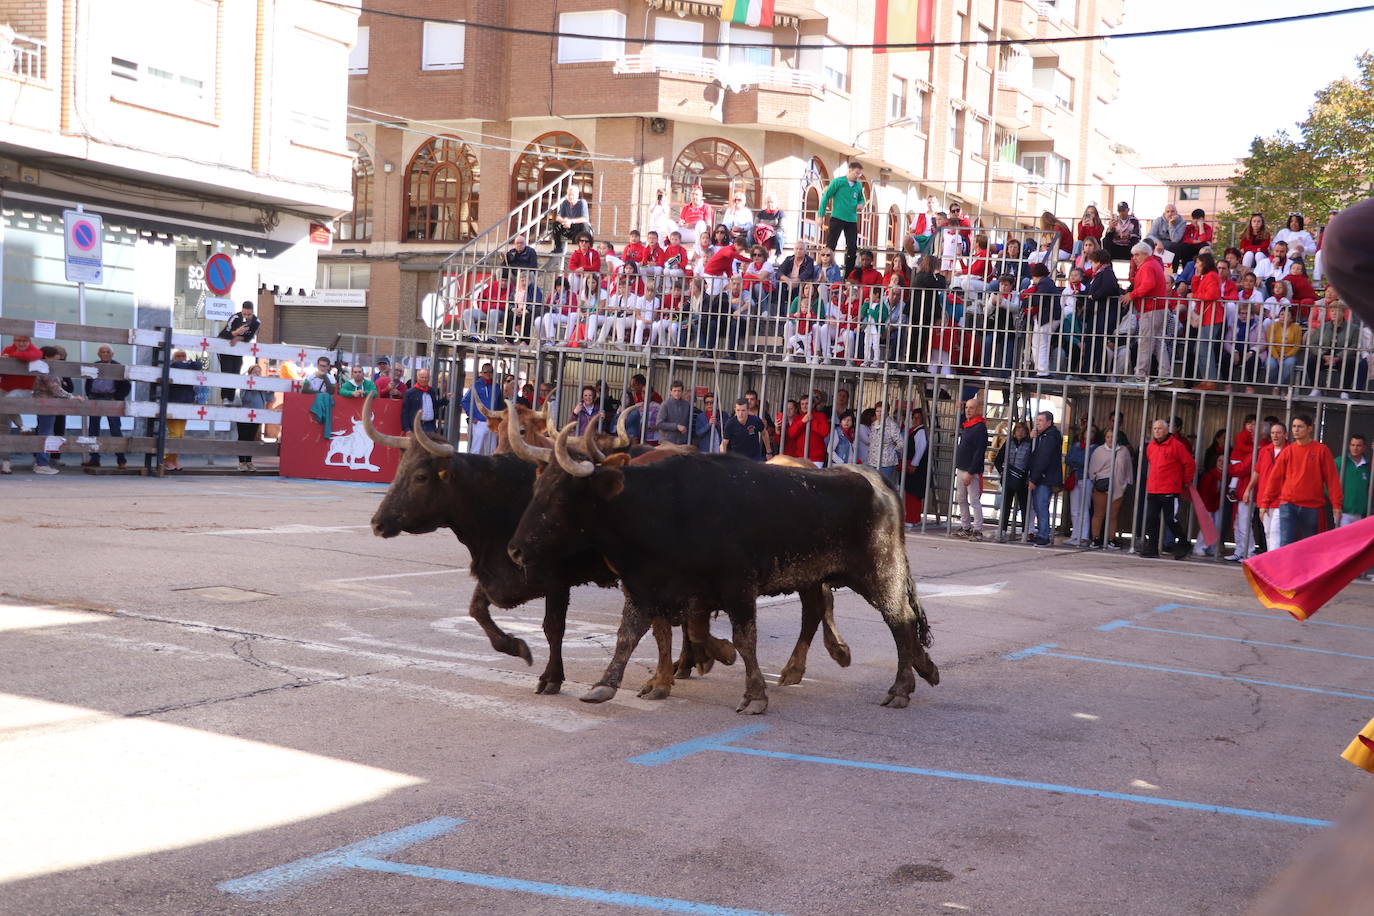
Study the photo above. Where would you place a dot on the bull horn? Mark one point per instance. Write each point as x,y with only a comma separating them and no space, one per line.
488,414
380,438
437,449
535,454
622,439
560,451
589,440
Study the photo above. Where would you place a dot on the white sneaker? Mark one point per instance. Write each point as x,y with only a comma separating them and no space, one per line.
5,467
45,470
1314,393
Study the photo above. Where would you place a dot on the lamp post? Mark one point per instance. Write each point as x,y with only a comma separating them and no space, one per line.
900,122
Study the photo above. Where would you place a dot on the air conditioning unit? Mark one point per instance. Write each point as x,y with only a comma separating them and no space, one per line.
658,125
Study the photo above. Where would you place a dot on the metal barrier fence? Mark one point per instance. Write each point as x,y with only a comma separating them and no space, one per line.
944,325
1210,421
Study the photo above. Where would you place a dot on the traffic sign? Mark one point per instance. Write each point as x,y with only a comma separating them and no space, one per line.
219,274
218,309
83,246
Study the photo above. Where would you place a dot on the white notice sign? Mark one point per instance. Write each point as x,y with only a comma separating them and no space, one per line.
218,308
45,330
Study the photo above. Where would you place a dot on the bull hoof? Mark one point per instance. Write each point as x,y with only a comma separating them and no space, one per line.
790,676
840,653
683,669
753,707
548,687
652,691
725,651
896,701
519,648
704,667
598,694
931,677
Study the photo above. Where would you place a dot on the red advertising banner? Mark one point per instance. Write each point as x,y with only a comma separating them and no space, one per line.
348,454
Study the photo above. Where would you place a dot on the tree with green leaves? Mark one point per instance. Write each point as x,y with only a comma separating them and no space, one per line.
1327,166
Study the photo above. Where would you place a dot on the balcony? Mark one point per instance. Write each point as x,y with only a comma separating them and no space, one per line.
1010,171
22,56
733,77
1020,18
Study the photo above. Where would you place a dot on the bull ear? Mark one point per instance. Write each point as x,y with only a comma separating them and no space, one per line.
619,459
443,474
607,483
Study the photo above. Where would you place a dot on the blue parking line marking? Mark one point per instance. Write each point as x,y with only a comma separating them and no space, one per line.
695,746
321,865
1287,618
1127,625
724,744
562,891
365,856
1045,650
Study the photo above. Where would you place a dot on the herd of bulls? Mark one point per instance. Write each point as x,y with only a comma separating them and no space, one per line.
684,534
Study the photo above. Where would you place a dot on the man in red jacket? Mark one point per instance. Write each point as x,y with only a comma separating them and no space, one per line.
1149,287
1171,470
1302,482
812,429
16,386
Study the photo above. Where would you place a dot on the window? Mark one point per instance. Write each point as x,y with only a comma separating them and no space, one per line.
544,159
1056,84
920,111
740,40
609,23
981,52
721,168
1193,192
442,192
356,225
317,106
343,275
896,98
956,134
675,29
975,134
1049,167
443,46
357,58
827,60
176,76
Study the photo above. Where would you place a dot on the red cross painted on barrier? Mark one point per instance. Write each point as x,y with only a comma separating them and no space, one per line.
301,356
295,385
253,349
202,378
201,413
252,415
251,381
205,343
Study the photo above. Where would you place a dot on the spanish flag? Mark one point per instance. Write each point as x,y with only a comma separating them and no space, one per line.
747,12
1302,577
902,22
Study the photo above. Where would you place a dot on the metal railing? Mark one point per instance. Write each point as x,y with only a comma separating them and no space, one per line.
23,56
736,76
975,324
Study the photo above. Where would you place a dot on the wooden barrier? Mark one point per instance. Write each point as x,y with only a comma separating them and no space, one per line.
131,445
142,337
153,374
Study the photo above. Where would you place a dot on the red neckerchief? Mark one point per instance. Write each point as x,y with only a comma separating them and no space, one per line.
424,388
973,422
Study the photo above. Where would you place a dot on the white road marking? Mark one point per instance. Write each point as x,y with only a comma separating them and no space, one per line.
24,617
954,590
1153,588
1086,715
432,572
286,529
1142,784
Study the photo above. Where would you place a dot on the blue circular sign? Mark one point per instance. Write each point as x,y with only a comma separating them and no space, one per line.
83,234
219,274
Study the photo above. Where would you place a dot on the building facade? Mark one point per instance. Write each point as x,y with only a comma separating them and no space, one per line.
453,125
191,127
1193,187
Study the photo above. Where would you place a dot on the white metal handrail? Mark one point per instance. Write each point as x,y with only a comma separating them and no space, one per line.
21,55
732,76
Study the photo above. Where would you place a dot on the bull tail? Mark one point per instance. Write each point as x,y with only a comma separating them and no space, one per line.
923,634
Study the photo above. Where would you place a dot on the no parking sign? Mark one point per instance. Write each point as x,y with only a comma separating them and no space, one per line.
83,246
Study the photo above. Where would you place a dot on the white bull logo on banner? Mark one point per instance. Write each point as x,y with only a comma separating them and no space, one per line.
352,449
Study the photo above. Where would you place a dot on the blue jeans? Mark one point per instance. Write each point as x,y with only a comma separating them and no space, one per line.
1281,372
115,426
1296,522
1040,505
46,422
1209,342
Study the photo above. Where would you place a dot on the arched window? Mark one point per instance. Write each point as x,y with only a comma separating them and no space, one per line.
442,185
544,159
894,228
814,180
356,226
721,168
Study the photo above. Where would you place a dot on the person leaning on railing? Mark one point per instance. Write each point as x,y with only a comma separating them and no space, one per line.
1333,352
1148,295
106,389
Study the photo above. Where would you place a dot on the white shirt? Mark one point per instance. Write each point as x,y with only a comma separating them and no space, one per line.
1294,239
1266,268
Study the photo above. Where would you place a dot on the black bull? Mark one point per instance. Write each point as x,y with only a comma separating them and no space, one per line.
718,531
481,500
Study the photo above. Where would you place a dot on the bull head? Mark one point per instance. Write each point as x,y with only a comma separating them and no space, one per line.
400,442
435,448
535,454
575,467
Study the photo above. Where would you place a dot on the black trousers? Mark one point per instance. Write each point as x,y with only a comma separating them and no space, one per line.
230,364
1166,505
850,231
247,432
570,234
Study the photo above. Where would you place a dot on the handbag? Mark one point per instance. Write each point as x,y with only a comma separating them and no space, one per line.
1102,484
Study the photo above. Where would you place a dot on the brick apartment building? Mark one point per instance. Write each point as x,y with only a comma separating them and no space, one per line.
454,125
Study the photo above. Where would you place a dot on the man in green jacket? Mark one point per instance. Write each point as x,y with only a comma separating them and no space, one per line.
1354,469
357,385
846,193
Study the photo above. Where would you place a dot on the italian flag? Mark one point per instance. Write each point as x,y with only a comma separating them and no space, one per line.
747,12
902,22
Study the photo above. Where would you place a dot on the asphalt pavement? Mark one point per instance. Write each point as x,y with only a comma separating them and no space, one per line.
227,696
